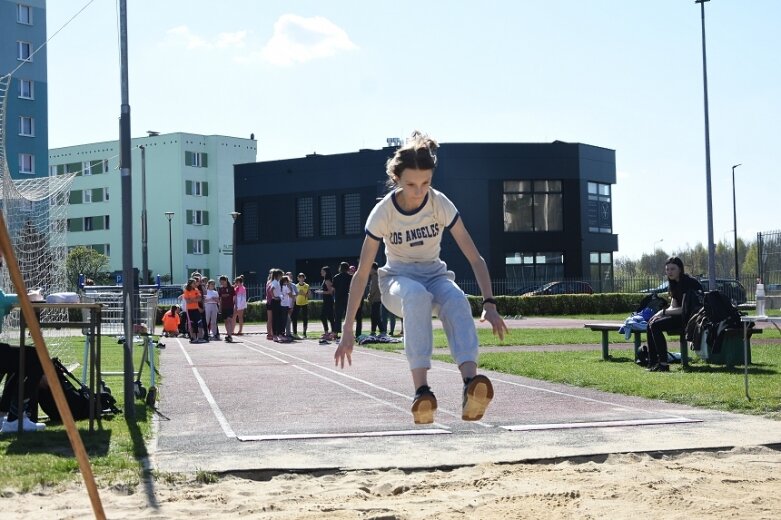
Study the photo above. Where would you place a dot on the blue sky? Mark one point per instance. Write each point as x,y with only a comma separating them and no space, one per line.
333,77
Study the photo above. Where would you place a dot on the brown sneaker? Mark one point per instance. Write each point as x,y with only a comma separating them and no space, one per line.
424,406
478,392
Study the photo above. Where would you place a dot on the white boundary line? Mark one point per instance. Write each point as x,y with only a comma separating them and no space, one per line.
598,424
303,436
334,381
362,381
226,427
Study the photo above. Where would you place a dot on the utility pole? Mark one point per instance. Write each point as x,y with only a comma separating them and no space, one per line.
127,216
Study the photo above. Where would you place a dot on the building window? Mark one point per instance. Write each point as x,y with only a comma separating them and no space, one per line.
88,224
26,89
24,51
198,247
26,163
601,271
305,217
533,206
196,188
26,126
249,222
87,199
106,221
328,216
599,211
196,159
105,193
24,14
352,214
197,217
535,266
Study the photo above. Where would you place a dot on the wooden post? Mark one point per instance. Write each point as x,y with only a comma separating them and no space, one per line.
48,369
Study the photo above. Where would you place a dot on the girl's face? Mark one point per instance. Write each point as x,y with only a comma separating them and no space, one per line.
414,185
322,273
301,279
672,271
210,285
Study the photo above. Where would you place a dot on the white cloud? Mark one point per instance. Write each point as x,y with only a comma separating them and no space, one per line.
297,40
182,36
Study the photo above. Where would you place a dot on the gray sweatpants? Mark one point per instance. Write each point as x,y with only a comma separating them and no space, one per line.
417,291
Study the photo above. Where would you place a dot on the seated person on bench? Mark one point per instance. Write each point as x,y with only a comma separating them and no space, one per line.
33,372
670,319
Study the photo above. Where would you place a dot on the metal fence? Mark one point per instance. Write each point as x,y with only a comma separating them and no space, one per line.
769,258
169,295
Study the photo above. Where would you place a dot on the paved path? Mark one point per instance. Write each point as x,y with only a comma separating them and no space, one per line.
259,405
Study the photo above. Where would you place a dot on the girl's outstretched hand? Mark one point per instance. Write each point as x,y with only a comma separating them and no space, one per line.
345,348
496,321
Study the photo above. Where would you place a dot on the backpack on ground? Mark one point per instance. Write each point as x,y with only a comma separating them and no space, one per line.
708,328
77,395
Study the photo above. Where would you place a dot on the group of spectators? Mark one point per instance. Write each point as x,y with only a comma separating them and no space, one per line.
204,301
336,292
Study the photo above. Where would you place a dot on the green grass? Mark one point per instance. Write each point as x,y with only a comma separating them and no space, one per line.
707,386
115,447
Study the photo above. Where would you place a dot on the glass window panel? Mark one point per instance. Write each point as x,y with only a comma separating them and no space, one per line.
607,258
328,215
250,224
305,217
592,188
517,212
547,186
548,212
517,186
594,257
604,189
352,214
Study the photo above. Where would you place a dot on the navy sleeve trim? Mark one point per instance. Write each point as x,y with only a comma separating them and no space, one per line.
455,219
369,234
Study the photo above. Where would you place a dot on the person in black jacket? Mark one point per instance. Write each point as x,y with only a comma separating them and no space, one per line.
681,286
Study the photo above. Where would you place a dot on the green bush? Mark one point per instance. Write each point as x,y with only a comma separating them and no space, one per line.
562,304
603,303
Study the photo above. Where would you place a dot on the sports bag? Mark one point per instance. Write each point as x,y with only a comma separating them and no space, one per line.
77,395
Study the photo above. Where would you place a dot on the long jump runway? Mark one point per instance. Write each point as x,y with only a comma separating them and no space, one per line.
258,405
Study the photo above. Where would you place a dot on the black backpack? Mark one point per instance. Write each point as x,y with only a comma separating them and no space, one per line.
716,317
77,395
718,308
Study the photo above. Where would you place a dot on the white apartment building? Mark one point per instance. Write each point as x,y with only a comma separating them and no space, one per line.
188,177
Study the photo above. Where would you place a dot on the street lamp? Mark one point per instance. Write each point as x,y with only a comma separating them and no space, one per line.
170,215
709,195
735,219
235,215
657,242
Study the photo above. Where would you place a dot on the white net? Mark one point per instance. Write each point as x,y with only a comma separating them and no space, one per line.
35,212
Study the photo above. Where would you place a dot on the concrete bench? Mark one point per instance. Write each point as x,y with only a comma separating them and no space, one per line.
606,327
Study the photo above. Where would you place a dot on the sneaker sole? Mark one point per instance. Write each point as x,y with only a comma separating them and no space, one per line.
478,396
423,409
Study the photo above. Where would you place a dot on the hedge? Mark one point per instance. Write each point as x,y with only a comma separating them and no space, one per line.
562,304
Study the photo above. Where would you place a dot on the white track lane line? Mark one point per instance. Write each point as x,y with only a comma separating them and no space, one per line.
547,390
226,427
362,381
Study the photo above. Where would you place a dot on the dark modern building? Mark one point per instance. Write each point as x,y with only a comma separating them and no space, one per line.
537,211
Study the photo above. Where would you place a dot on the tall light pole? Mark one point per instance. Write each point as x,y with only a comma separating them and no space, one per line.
170,215
711,245
235,215
657,242
735,220
144,248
